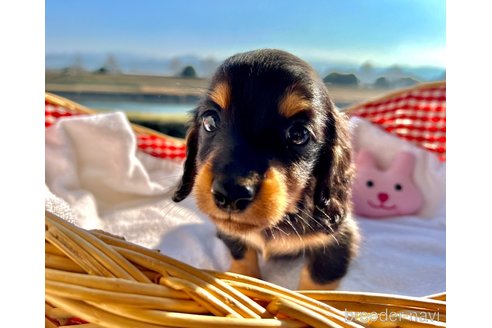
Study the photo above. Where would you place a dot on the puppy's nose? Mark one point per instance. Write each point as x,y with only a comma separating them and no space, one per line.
229,195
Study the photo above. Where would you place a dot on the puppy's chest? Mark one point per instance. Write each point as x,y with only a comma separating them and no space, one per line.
283,244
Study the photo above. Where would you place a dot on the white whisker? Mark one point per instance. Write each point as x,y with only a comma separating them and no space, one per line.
311,217
304,220
329,225
297,233
278,228
328,217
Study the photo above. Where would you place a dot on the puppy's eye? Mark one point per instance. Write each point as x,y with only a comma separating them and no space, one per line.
369,183
210,121
297,134
398,187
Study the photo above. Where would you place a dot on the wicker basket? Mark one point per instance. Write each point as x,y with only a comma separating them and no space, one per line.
94,279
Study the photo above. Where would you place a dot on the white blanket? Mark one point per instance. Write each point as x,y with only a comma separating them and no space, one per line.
96,177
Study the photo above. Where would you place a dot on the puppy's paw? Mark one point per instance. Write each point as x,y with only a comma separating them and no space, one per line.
243,268
307,283
247,266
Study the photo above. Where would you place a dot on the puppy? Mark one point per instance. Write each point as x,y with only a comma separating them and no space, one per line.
268,160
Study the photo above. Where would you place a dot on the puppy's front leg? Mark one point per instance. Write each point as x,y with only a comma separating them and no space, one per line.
248,265
244,259
325,267
307,282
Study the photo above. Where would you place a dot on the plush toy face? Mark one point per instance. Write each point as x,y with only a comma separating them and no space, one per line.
382,193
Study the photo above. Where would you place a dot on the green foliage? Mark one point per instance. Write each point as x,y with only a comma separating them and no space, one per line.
102,70
382,82
341,79
188,71
406,82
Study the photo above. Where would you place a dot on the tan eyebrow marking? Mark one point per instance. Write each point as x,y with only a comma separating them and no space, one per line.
293,102
221,95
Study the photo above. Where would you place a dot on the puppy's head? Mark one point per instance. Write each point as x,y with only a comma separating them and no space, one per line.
265,141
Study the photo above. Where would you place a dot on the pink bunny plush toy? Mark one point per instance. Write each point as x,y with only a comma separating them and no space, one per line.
381,193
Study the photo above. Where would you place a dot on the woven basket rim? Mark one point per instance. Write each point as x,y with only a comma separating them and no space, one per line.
112,268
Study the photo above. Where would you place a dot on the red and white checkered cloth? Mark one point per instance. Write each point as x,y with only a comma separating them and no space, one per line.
157,146
417,115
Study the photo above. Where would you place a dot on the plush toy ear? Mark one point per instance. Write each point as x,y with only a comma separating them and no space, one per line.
188,179
404,163
365,158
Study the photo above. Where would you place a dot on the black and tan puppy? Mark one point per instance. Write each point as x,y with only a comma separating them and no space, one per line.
268,160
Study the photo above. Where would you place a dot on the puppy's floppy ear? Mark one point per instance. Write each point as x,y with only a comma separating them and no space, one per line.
187,180
334,170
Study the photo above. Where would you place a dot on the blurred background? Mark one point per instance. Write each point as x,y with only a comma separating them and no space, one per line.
152,59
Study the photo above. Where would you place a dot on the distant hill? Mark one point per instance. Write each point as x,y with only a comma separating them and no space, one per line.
367,73
133,64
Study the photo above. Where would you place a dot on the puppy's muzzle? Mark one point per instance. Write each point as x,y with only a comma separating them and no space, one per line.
231,195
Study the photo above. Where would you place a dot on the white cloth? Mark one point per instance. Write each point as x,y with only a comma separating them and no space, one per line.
96,178
93,169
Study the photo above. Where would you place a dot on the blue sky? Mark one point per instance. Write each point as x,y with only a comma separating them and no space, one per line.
386,32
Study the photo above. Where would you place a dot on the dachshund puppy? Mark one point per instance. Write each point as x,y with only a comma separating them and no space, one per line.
268,160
